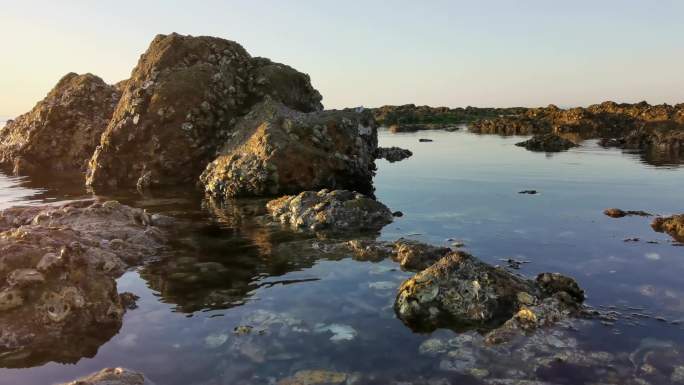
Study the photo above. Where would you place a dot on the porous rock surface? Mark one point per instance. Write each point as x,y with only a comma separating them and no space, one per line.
393,154
278,150
58,264
410,254
547,143
111,376
337,210
179,106
673,225
461,292
61,132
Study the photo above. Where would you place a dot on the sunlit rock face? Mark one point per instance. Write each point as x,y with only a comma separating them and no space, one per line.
61,132
58,295
462,292
278,150
181,104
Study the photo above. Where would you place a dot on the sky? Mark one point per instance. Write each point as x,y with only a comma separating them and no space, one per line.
372,53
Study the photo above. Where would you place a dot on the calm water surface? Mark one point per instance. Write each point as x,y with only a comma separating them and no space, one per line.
310,311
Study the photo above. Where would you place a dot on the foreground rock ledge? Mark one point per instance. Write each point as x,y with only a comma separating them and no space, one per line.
338,210
277,150
61,132
112,376
58,264
461,292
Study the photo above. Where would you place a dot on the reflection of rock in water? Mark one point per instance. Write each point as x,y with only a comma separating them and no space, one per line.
218,264
58,296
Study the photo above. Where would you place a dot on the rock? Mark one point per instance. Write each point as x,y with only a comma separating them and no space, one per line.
461,292
528,192
61,132
411,255
58,266
315,377
392,154
673,225
111,376
181,104
277,150
617,213
412,118
397,214
547,143
337,210
423,140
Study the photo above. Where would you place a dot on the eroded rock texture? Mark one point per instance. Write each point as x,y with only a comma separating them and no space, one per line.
278,150
58,296
111,376
393,154
461,292
547,143
61,132
337,210
181,104
673,225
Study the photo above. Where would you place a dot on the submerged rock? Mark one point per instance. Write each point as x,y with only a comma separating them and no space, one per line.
618,213
461,292
111,376
547,143
58,266
277,150
393,154
316,377
181,104
673,225
411,255
61,132
337,210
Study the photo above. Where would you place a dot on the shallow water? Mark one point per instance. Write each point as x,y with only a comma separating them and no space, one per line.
334,313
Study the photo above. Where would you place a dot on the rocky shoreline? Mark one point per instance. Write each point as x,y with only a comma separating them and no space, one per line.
202,112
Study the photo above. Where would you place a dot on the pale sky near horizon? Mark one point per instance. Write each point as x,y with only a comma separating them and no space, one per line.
453,53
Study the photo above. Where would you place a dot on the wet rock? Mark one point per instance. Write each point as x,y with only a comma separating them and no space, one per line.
315,377
111,376
528,192
58,266
337,210
461,292
411,255
618,213
673,225
277,150
393,154
61,132
547,143
424,140
181,104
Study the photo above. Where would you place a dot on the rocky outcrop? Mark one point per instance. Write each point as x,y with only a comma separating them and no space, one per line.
61,132
618,213
277,150
547,143
461,292
673,225
111,376
337,210
632,126
181,104
411,255
412,118
58,264
393,154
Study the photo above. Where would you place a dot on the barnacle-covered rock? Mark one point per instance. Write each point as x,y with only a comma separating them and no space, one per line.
673,225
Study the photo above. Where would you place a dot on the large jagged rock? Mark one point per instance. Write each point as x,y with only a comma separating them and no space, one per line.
61,132
58,264
461,292
181,104
111,376
547,143
338,210
673,225
277,150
